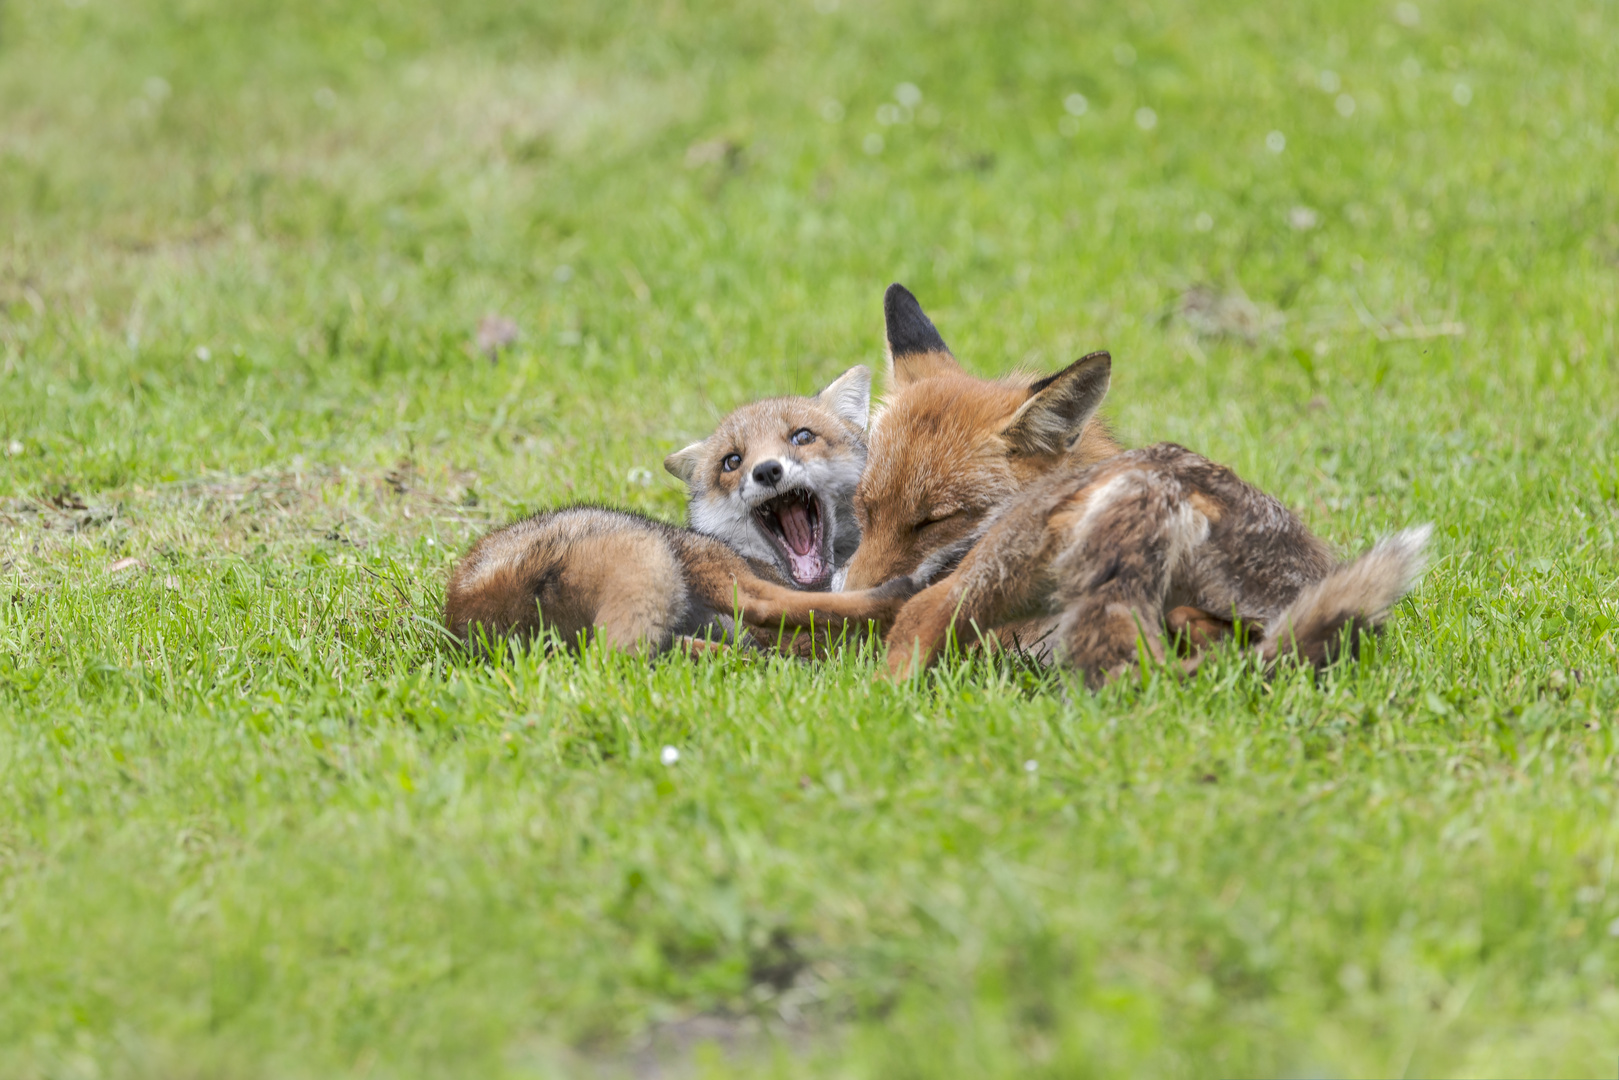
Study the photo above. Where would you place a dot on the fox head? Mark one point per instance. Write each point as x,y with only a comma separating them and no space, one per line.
776,480
948,449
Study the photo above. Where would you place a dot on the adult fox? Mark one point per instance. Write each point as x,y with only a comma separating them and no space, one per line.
1012,499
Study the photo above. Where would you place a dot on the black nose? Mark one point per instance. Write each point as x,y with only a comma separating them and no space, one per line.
768,472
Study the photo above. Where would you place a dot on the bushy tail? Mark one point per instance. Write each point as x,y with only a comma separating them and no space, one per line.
1357,595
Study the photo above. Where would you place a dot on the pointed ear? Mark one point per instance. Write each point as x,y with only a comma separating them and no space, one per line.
684,463
1059,406
849,396
915,349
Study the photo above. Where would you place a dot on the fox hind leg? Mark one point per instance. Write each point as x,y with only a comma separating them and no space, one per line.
1193,629
1125,540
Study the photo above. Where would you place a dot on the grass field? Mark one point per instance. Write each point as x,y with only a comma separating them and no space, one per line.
256,821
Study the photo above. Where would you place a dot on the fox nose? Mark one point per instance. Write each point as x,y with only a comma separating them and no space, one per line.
768,473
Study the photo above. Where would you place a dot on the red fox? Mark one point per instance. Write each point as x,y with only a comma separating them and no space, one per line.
771,512
1010,501
776,480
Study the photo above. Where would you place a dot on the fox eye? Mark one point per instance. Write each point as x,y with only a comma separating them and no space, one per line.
730,463
802,437
935,518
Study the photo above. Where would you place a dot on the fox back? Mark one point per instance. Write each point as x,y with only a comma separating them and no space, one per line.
947,450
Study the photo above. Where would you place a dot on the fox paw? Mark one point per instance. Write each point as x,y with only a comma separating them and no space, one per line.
900,588
888,598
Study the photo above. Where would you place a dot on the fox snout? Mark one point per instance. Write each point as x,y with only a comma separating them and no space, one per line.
772,476
768,472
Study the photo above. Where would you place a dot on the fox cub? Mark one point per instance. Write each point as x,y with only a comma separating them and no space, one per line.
1010,502
772,521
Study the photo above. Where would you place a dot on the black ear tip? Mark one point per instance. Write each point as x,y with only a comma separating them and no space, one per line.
909,329
1099,362
1090,365
900,306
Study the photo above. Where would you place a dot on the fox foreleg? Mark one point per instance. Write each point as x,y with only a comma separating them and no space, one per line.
766,606
1001,580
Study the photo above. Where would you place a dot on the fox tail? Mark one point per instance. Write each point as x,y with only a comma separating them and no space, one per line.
1356,596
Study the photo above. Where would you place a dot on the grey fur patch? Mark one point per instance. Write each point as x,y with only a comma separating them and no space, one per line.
730,517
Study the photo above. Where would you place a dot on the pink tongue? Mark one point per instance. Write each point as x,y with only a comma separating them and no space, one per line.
795,523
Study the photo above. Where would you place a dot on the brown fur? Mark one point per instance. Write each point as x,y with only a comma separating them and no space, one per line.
1096,544
950,449
590,573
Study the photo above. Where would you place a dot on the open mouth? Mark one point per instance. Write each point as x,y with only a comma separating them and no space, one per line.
793,523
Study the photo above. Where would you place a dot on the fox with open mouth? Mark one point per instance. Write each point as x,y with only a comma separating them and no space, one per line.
776,480
771,525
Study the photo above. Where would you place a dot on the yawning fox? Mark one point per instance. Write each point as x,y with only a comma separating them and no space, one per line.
771,516
1012,500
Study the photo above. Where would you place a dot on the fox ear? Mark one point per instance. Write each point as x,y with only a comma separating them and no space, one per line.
1059,406
849,396
915,349
684,463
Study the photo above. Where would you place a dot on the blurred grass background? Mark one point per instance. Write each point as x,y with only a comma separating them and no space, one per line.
256,822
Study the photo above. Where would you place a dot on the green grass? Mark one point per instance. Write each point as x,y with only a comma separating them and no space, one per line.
256,821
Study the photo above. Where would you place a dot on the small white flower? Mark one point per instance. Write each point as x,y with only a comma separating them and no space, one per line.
669,755
1076,104
872,144
326,97
831,110
1146,119
908,95
204,353
14,448
156,87
430,541
563,273
1461,94
1302,218
1031,766
1124,55
889,115
639,476
1203,222
1407,14
1328,81
1345,105
1276,142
